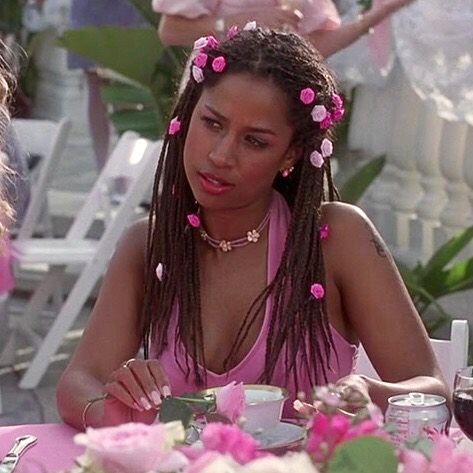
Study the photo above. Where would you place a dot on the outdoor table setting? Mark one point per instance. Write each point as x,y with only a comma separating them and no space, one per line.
53,448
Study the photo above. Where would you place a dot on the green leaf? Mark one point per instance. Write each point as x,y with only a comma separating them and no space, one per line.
364,455
144,7
174,409
352,190
132,52
122,93
447,252
136,120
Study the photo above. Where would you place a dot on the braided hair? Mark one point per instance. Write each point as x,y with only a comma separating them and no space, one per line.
292,64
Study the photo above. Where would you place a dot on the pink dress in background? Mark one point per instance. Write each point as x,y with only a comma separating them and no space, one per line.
250,368
318,14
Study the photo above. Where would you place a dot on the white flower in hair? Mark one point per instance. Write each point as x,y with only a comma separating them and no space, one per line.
319,112
251,25
316,159
159,271
326,148
197,74
201,42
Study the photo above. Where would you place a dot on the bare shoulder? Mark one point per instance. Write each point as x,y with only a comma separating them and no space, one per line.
132,244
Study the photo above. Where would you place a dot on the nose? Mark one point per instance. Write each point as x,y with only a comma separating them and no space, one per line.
223,151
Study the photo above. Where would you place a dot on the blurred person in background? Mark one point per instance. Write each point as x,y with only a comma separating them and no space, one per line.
183,21
86,13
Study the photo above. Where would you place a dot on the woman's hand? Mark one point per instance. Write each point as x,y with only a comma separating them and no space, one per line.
271,17
354,391
135,391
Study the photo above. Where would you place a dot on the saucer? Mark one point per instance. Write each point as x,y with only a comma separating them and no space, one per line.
284,435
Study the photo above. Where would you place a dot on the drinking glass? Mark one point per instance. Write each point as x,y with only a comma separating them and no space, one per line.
463,400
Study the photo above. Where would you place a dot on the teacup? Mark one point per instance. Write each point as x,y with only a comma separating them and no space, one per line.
264,405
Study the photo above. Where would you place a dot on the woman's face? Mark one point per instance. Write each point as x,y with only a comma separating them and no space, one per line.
238,140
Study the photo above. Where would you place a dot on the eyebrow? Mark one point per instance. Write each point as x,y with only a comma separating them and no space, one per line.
250,128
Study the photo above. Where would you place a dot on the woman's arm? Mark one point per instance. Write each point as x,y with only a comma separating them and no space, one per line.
111,337
329,42
179,30
378,308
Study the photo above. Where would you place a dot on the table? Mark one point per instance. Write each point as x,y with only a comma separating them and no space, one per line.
54,451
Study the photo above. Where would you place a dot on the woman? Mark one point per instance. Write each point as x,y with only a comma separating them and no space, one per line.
245,254
184,21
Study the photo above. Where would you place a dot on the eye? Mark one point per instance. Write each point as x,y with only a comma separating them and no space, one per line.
256,142
211,123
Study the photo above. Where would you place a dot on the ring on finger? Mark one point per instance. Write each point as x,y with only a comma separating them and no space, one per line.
128,362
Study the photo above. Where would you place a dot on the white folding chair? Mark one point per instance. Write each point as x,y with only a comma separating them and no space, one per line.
133,161
451,354
47,139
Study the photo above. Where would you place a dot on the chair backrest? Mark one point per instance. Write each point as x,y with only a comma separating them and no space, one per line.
47,139
451,354
121,185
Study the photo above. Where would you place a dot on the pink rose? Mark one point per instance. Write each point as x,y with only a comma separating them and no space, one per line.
326,148
317,290
337,101
194,220
174,126
201,60
197,74
212,41
135,448
218,64
414,462
338,114
316,159
319,112
230,439
231,400
307,96
327,122
233,31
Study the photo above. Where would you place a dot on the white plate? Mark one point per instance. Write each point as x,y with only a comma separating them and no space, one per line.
284,435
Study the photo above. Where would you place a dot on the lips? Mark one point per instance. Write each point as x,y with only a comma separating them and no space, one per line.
214,185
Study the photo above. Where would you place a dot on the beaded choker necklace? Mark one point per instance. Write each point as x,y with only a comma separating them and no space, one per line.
252,236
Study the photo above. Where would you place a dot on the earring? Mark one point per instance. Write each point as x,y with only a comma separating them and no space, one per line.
287,171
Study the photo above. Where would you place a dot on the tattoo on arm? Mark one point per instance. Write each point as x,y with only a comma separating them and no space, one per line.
376,242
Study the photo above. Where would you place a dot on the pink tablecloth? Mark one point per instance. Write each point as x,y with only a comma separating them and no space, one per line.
55,450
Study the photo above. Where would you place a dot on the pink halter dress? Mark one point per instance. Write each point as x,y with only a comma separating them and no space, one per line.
249,369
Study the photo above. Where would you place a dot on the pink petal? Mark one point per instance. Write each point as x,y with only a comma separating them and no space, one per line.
201,42
327,122
218,64
317,290
316,159
197,74
212,41
251,25
159,271
174,126
319,112
194,220
324,232
201,60
232,32
337,101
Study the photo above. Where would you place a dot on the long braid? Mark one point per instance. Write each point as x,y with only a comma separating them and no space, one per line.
291,64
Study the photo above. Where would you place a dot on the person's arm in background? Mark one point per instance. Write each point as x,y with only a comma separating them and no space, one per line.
184,27
330,41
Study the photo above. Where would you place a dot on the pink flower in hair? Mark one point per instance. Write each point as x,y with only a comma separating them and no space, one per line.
159,271
327,122
319,112
218,64
251,25
201,42
197,74
307,96
338,114
316,159
201,60
194,220
212,41
324,232
337,101
317,290
326,148
174,126
233,31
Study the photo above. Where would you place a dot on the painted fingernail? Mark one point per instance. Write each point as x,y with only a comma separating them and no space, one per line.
156,398
138,407
166,390
145,403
